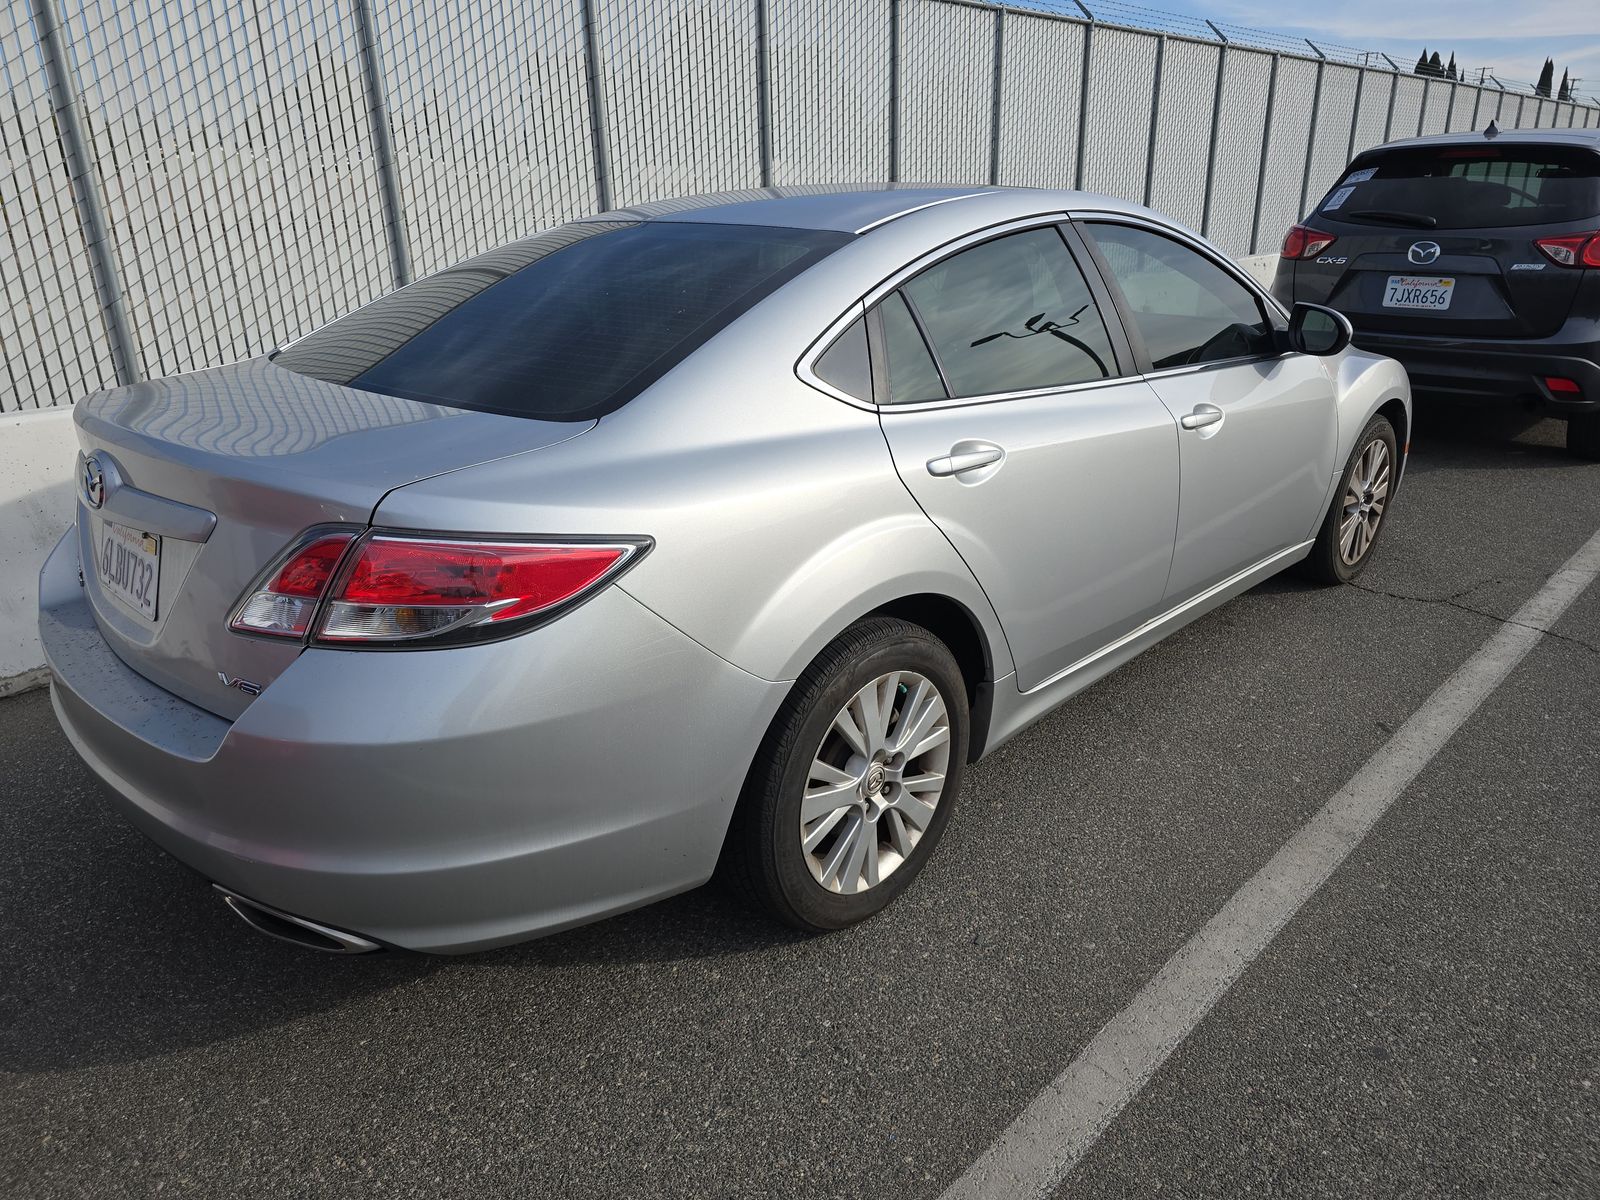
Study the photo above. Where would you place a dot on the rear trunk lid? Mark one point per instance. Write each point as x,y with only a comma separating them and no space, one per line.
1441,239
206,478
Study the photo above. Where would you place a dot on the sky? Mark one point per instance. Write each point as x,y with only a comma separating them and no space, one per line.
1512,37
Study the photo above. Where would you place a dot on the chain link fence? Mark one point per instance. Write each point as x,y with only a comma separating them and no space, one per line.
190,182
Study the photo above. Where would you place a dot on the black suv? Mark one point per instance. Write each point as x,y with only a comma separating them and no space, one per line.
1474,259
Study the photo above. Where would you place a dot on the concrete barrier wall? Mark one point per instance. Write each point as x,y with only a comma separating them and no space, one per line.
37,454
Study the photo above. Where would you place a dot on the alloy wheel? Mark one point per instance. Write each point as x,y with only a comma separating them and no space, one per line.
875,782
1366,492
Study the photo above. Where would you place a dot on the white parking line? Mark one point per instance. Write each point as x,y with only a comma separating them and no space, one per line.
1044,1143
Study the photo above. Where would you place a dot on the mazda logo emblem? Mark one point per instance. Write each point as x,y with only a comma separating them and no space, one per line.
1423,253
94,482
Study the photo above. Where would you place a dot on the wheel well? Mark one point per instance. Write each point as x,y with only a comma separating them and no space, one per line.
953,625
1395,411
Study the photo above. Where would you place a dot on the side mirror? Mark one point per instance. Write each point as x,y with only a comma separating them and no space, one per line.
1314,329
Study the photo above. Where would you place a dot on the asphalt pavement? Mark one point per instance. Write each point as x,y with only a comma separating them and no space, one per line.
1426,1025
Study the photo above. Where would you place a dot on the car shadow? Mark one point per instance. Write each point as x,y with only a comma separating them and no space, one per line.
1448,435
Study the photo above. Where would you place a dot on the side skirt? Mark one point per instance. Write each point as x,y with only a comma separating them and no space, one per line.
1014,711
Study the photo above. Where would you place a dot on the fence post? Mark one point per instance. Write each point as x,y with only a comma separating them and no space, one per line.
1266,148
86,194
1083,93
1450,108
894,91
1311,136
1155,119
1216,120
394,217
1355,112
1477,100
994,100
1422,109
1394,97
764,89
599,144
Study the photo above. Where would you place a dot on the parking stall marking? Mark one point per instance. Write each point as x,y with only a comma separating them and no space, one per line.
1037,1151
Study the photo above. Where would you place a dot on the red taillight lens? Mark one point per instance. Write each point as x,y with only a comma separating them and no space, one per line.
1572,249
1562,385
404,588
285,604
1304,242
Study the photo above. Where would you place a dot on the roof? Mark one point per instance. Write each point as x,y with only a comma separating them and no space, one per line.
1589,138
848,208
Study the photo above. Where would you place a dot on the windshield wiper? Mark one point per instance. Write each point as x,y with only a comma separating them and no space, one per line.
1420,220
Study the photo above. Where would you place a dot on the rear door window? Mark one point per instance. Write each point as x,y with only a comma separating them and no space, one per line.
912,373
1469,187
1187,309
1010,315
570,335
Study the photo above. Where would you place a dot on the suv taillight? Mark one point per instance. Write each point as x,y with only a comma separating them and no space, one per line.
385,588
1571,249
1304,242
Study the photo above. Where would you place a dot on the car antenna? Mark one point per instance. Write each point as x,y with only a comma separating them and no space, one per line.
1492,132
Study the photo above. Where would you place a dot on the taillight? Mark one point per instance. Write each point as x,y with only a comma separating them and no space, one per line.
403,588
283,602
390,588
1304,242
1571,249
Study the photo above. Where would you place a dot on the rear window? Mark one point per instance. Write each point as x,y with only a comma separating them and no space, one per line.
1469,187
580,324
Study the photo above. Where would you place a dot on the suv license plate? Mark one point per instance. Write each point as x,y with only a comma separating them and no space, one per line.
130,566
1427,292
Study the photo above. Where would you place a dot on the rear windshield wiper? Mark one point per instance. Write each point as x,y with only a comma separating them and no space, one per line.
1420,220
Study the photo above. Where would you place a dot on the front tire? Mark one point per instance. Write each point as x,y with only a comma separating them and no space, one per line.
1583,435
1355,518
855,780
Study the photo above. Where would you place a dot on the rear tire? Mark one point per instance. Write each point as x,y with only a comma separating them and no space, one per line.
855,780
1583,436
1360,506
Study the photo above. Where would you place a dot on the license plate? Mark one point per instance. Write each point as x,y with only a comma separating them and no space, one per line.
129,562
1427,292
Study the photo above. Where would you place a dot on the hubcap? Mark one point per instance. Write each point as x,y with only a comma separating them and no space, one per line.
875,782
1364,497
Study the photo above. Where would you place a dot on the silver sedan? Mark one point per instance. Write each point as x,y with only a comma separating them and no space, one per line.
718,531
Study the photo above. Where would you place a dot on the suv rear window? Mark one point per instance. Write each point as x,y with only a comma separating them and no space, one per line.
1469,187
581,323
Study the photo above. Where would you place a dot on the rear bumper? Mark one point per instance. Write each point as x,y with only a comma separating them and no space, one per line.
446,800
1495,372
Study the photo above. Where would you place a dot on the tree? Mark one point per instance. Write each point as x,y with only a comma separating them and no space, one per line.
1435,65
1566,88
1422,63
1450,72
1546,77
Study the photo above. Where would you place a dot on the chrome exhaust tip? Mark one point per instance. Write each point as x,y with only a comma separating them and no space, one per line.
296,930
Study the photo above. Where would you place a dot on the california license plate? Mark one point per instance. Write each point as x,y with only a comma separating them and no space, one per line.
1427,292
129,563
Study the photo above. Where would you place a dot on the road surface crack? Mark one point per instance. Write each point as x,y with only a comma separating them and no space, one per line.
1453,600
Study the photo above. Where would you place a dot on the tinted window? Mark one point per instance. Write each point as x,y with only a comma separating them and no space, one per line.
1188,309
1010,315
1470,187
572,334
845,364
909,366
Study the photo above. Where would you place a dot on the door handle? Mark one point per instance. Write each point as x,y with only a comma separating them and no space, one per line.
1203,415
965,456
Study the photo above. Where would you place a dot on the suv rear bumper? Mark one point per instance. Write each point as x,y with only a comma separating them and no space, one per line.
1495,372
